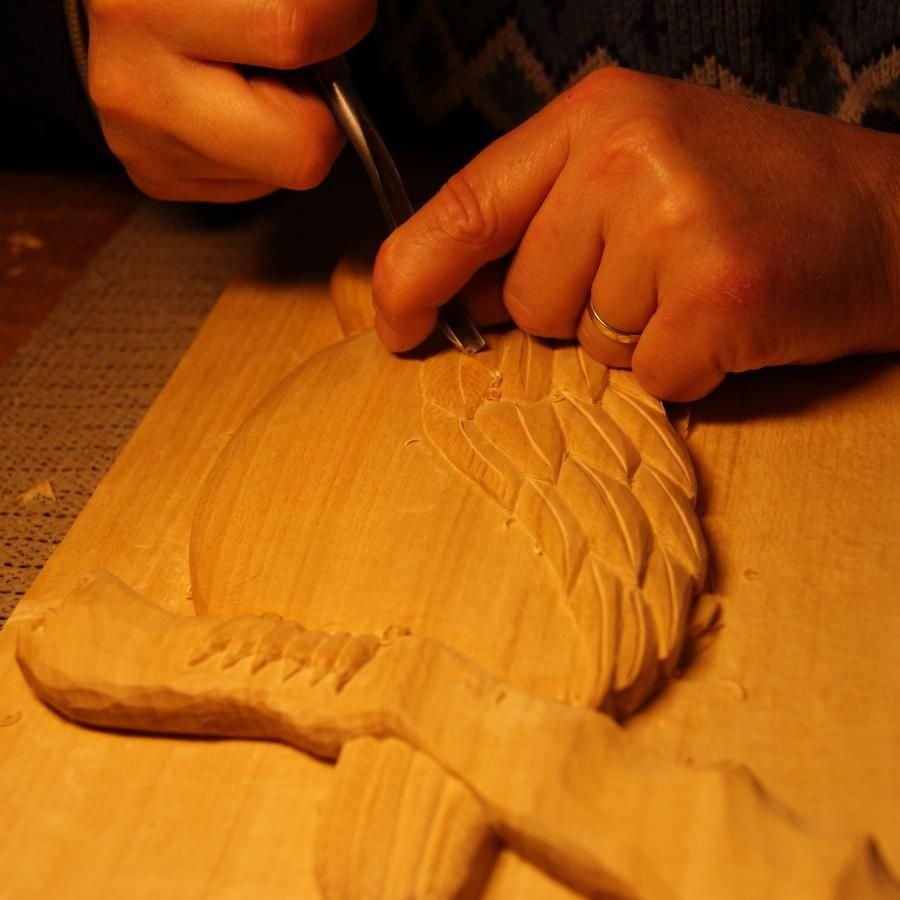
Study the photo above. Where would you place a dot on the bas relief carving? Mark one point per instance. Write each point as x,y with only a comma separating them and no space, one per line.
436,572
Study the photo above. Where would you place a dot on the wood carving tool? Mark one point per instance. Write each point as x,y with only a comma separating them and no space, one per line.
334,81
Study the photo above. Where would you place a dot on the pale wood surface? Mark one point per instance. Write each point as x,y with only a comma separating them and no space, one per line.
561,784
801,507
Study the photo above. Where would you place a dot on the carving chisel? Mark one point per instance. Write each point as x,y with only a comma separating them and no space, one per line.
334,82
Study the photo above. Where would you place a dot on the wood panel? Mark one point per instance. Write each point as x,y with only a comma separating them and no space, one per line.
801,507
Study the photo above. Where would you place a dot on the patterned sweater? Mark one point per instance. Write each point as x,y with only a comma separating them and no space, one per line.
467,70
456,66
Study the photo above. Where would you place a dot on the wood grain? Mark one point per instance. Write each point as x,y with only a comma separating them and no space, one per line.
802,511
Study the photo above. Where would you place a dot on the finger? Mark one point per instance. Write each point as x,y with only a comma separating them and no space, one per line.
479,216
551,272
482,299
262,127
203,190
623,294
153,156
277,34
419,328
680,357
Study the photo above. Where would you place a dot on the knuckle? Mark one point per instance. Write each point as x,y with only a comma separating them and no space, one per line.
642,142
110,90
466,214
736,289
624,120
285,29
612,91
682,204
607,82
739,277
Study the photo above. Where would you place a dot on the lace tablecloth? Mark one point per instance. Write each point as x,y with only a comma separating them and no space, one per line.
70,398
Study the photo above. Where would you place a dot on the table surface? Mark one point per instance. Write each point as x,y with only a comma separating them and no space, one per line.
801,506
51,225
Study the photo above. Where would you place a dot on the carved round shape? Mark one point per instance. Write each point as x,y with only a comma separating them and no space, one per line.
528,507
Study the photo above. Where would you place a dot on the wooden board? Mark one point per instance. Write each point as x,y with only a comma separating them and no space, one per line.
800,501
801,509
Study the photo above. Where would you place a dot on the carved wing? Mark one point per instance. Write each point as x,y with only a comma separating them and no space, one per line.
588,464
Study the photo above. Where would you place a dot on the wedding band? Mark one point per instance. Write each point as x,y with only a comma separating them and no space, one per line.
614,334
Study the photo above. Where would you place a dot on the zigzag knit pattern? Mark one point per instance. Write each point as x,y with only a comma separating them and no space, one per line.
492,63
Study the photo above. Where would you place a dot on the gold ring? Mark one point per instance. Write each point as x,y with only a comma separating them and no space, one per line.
614,334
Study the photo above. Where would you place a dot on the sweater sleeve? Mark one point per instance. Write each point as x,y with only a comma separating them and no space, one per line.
47,116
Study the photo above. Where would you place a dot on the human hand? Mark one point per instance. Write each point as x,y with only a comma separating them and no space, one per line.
732,234
187,117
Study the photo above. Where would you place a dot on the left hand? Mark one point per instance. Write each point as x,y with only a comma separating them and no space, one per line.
201,100
730,233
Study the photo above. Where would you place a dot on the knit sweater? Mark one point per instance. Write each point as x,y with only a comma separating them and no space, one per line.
468,70
456,66
45,117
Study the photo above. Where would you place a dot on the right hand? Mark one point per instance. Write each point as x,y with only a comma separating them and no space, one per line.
186,119
727,233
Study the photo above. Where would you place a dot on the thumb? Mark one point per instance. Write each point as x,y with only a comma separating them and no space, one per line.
478,216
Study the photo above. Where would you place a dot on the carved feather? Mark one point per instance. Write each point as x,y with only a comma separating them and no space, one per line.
648,426
593,435
576,373
528,433
446,432
457,383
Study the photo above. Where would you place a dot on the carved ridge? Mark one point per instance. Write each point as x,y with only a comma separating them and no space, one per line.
266,642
